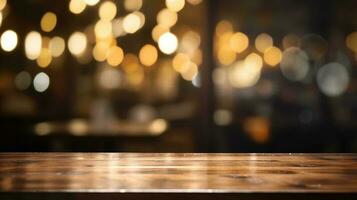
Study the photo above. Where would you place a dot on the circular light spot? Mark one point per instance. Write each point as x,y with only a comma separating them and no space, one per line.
48,21
175,5
77,43
33,45
131,23
263,42
77,6
180,62
294,64
168,43
148,55
272,56
133,5
166,18
23,80
91,2
107,10
45,58
242,75
223,26
103,29
115,56
41,82
239,42
109,78
333,79
157,31
57,46
351,41
222,117
189,72
8,40
3,4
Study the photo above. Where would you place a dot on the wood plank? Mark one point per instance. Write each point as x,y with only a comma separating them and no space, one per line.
178,173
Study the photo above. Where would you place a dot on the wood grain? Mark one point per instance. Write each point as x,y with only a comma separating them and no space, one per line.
178,173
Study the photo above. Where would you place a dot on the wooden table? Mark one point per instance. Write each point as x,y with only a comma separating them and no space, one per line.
178,176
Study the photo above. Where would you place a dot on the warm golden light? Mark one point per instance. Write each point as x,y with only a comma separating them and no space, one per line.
190,41
77,43
243,75
103,29
8,40
77,6
253,60
148,55
189,72
273,56
263,42
115,56
239,42
133,5
166,18
131,23
48,21
107,10
45,58
194,2
258,129
91,2
226,56
33,45
168,43
351,41
157,31
175,5
2,4
180,62
223,26
0,18
100,51
57,46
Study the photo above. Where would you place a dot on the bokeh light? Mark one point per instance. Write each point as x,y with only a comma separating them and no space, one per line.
351,41
91,2
107,10
41,82
294,64
148,55
77,6
3,4
272,56
77,43
115,56
333,79
131,23
23,80
33,45
263,42
45,58
239,42
48,21
133,5
168,43
166,18
57,46
175,5
8,40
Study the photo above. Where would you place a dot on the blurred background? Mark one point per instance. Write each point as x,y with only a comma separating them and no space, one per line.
178,75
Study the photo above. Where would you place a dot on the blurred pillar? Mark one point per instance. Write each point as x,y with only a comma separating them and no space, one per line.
206,134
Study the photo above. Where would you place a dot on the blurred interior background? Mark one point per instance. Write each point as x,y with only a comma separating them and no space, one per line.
178,75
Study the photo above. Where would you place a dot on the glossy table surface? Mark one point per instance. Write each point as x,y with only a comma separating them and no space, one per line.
178,173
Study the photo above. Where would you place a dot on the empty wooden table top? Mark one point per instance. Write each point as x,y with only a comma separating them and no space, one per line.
178,173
